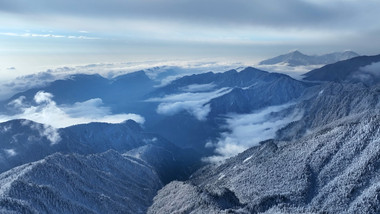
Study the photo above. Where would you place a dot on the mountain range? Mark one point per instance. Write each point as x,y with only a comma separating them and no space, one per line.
246,141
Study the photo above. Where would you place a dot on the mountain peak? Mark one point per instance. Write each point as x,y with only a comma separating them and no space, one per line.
296,58
296,52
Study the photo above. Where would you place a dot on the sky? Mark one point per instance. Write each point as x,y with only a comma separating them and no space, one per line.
41,34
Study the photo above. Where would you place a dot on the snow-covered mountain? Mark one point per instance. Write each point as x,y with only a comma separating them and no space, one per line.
89,166
331,102
318,153
185,111
326,162
24,141
331,170
99,183
296,58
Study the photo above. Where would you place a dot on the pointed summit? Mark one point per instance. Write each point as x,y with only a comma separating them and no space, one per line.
296,58
296,52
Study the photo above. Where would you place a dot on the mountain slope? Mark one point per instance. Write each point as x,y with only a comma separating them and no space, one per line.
328,163
277,90
101,183
170,162
333,170
297,58
331,102
231,78
351,70
23,141
243,92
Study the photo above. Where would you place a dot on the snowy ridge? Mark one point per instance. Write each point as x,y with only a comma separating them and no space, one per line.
10,176
24,138
333,170
99,183
336,102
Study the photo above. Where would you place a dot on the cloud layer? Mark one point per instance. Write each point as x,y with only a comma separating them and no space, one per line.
247,130
47,112
45,35
373,69
162,71
292,13
191,28
368,74
192,102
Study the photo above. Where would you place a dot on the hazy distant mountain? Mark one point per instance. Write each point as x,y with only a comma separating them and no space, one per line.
297,58
120,93
231,78
99,183
364,69
269,89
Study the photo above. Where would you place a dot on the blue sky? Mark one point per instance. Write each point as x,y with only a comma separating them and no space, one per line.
39,34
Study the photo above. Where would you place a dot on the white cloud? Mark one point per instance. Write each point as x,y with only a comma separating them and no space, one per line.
48,112
194,103
10,152
43,97
45,35
247,130
23,83
5,129
163,72
17,103
199,87
47,131
373,69
294,71
367,73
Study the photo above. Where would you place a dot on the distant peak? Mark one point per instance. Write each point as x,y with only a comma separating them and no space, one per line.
351,52
252,69
296,58
296,52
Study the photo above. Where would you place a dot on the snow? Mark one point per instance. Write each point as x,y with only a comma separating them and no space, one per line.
10,152
221,176
99,183
247,159
7,178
